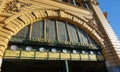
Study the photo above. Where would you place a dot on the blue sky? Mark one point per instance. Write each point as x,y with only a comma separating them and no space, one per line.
113,9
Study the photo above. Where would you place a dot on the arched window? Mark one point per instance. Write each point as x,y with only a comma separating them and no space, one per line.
53,29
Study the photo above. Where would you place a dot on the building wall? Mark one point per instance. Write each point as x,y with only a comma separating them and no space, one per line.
13,17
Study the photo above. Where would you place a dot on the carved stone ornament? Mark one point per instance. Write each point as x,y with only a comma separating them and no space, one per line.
95,2
16,6
91,22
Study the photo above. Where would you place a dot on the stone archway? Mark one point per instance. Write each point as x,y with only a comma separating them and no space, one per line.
17,22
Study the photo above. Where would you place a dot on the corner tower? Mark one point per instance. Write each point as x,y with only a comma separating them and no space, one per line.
70,35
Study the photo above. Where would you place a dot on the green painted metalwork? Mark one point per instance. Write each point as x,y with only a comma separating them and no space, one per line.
67,66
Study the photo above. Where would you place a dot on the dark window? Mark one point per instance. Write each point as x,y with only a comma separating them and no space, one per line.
78,4
72,33
82,3
50,29
24,32
65,0
37,29
71,1
93,43
62,31
83,37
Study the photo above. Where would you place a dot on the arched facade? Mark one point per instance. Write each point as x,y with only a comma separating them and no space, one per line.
15,15
55,30
78,44
19,22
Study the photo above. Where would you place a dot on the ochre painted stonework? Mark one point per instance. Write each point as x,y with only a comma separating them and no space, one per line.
15,24
13,21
